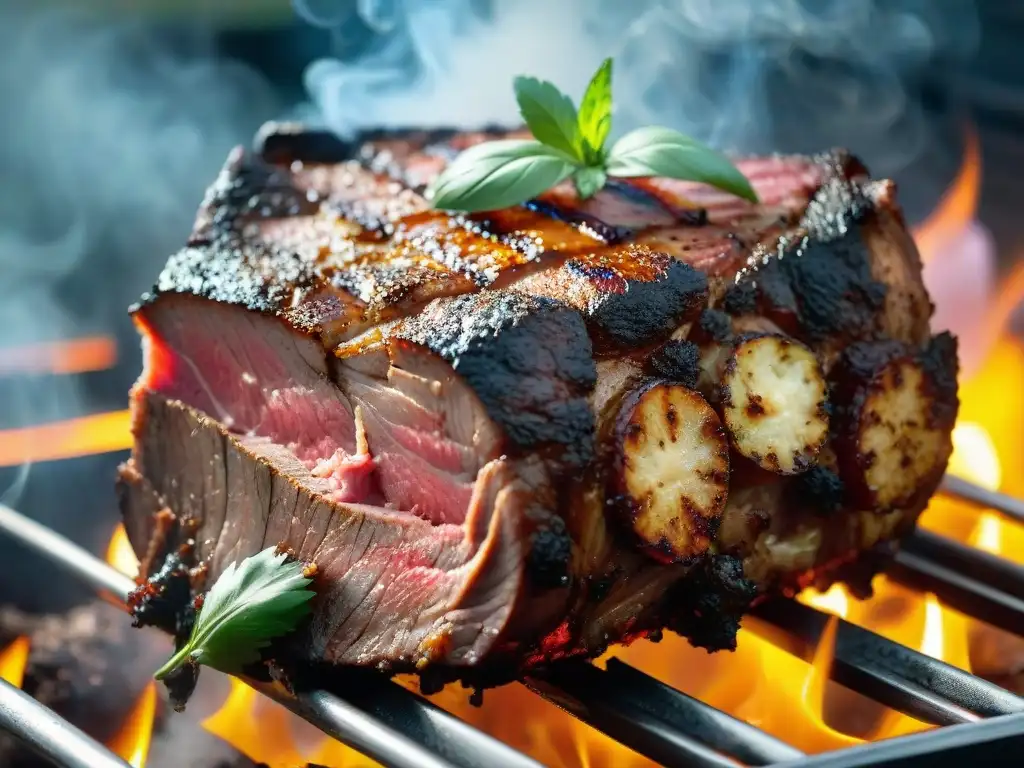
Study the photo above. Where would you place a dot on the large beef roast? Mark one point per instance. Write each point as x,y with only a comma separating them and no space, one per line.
507,438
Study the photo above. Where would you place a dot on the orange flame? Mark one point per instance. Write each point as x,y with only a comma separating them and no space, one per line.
120,554
257,727
267,733
789,695
13,660
956,208
1007,302
131,743
93,353
100,433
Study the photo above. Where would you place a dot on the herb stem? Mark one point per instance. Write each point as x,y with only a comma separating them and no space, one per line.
174,662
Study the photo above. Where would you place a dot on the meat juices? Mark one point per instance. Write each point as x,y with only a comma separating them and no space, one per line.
509,438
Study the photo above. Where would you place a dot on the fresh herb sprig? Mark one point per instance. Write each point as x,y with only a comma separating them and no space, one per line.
570,144
248,606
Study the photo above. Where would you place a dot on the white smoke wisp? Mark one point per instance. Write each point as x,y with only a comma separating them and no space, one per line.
111,131
746,75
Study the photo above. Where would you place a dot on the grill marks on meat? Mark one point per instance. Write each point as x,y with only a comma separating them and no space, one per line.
521,435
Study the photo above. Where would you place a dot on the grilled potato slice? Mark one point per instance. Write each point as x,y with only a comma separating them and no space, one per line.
897,414
774,402
672,470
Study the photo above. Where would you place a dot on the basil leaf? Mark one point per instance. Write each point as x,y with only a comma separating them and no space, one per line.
497,174
588,181
549,114
249,605
596,112
658,151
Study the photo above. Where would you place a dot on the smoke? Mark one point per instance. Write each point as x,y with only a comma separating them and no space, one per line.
111,131
746,75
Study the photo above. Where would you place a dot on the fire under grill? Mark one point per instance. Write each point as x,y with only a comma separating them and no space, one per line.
978,720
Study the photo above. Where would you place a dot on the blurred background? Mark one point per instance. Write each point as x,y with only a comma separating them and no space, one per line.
118,113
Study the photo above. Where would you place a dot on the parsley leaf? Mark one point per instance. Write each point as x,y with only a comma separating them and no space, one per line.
549,114
596,112
497,174
249,605
655,151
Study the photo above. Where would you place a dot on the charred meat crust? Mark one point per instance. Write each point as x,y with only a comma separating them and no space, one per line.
677,361
819,489
708,604
165,598
819,277
253,275
548,564
640,297
528,359
713,325
220,263
286,143
630,296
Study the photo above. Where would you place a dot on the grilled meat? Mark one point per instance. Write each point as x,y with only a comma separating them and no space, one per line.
513,437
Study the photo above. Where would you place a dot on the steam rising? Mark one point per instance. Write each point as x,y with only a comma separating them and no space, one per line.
111,132
747,75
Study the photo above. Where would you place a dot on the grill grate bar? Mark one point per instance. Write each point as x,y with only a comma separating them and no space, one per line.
635,691
997,741
439,731
369,735
584,697
993,570
965,490
890,673
973,582
49,735
107,581
355,726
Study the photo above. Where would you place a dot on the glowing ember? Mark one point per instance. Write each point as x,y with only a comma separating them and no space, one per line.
120,554
132,742
100,433
95,353
13,660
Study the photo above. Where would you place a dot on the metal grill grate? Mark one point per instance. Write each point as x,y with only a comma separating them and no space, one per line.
397,728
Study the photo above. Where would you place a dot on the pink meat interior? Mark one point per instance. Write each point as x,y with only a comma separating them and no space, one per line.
381,439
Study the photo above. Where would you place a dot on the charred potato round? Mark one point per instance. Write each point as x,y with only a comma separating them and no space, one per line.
897,414
774,402
672,470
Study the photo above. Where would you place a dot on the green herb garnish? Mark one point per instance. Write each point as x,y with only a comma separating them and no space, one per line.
249,605
498,174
